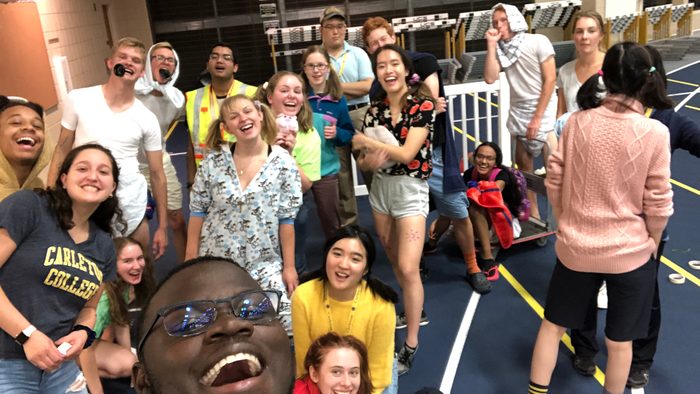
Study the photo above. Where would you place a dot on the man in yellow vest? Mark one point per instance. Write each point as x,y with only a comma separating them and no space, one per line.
203,104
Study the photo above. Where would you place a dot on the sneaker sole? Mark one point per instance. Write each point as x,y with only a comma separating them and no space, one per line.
422,323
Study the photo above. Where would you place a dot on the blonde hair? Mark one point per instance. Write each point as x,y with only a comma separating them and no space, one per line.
268,131
333,86
131,42
305,116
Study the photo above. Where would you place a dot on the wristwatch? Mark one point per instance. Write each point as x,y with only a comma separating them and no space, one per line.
24,335
90,334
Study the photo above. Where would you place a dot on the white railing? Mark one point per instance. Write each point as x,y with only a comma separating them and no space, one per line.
460,96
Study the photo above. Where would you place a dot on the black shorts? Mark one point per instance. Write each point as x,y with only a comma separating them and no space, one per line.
629,299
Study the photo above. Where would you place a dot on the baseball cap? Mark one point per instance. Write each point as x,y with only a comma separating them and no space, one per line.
332,12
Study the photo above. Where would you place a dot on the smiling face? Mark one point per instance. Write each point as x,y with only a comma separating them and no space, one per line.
391,72
587,35
485,159
132,58
316,70
89,179
221,63
500,23
378,38
288,96
346,264
339,372
232,356
242,120
21,135
131,263
162,59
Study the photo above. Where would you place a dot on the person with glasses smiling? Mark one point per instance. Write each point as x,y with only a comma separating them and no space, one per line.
354,70
332,121
203,104
156,90
210,327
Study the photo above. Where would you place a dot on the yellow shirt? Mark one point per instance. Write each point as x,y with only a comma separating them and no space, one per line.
373,322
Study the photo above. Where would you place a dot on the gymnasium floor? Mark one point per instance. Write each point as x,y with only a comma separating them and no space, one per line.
483,344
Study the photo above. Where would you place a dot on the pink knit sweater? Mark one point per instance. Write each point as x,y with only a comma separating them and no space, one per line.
609,179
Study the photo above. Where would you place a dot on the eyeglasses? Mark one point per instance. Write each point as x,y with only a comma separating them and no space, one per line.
339,26
216,56
484,157
319,66
163,59
192,318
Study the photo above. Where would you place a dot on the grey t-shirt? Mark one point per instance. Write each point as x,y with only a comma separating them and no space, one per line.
49,277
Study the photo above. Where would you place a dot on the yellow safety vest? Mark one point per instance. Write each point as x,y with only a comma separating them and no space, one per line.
201,110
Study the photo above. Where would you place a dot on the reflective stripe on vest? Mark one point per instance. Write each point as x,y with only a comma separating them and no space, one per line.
201,117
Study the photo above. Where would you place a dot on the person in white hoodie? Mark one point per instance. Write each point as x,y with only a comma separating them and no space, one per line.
156,90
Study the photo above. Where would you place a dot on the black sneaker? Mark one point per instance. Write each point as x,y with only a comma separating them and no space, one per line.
638,378
401,320
479,282
583,365
405,358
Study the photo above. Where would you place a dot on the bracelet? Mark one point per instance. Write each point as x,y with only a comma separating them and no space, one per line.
89,331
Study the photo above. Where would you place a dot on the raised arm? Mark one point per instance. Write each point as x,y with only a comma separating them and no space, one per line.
492,66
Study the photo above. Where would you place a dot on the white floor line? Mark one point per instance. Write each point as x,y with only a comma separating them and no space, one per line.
458,346
637,391
177,153
683,67
685,100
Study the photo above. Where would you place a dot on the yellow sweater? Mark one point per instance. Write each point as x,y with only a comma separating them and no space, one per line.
373,322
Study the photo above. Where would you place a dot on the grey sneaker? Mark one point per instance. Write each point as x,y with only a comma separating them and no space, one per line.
479,282
637,379
401,320
405,358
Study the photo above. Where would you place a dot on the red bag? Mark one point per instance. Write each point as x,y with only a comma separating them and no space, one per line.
488,195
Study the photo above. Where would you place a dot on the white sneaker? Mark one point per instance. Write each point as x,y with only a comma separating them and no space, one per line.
603,297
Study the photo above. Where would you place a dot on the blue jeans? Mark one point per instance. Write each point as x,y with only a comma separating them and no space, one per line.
19,376
393,388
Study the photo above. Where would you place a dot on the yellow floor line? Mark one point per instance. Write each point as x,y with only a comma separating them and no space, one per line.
680,270
686,187
462,132
539,310
484,100
682,82
693,107
170,130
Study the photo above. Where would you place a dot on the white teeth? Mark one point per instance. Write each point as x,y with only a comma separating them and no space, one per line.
246,127
290,103
211,375
93,188
31,141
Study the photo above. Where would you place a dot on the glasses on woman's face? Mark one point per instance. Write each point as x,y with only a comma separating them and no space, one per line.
192,318
479,156
317,66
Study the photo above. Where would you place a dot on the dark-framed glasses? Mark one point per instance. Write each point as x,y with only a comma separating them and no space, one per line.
192,318
479,156
318,66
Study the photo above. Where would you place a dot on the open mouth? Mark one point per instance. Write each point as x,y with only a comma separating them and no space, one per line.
232,369
341,275
26,141
246,127
90,188
290,104
135,274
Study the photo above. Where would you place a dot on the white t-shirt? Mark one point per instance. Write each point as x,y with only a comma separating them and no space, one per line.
525,76
568,81
86,112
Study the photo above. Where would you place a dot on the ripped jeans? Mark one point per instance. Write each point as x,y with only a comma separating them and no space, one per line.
19,376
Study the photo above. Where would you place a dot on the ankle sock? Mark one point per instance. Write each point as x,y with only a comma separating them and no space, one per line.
534,388
472,266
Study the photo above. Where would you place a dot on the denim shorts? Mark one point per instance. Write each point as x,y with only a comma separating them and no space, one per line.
19,376
453,205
